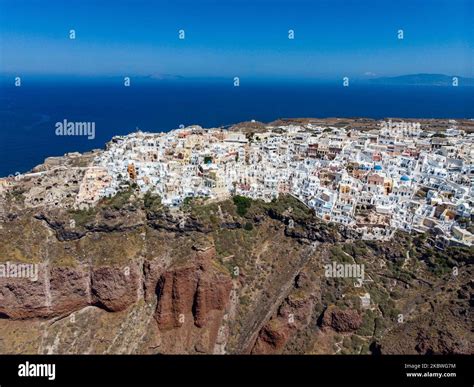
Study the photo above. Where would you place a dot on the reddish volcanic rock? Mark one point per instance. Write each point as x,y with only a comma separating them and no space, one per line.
193,290
63,290
69,289
212,294
22,298
341,320
115,288
57,291
175,292
293,314
272,338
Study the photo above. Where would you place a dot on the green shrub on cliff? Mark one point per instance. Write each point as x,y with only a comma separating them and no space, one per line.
118,201
152,202
368,324
16,194
242,203
287,204
248,226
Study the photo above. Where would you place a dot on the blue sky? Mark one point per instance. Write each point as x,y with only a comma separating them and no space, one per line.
245,38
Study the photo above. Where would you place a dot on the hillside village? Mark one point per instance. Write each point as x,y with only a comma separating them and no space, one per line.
395,177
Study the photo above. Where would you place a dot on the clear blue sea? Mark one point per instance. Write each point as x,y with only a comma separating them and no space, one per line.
28,113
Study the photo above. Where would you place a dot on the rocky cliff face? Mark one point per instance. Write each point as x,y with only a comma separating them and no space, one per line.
342,320
192,291
132,277
195,289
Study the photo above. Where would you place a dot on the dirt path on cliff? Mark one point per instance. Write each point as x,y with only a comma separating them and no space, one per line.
266,307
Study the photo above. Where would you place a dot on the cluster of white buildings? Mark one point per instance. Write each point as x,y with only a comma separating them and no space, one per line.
396,177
